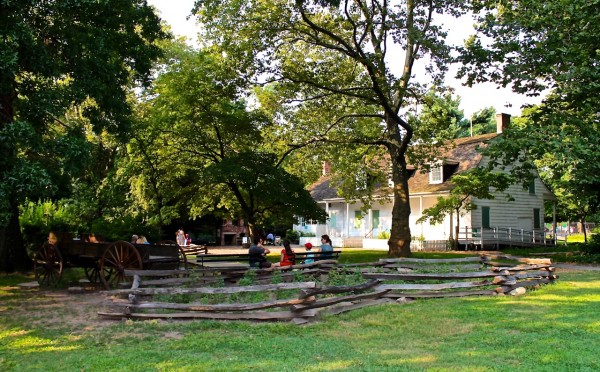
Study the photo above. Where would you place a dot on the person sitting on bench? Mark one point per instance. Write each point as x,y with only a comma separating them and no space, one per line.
310,257
258,254
326,247
288,257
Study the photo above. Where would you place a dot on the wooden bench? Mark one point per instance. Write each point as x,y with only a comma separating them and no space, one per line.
317,256
194,250
202,259
243,258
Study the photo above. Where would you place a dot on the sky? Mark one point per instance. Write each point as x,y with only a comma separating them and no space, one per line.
473,99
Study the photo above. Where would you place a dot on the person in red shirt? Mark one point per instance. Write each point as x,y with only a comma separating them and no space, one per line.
288,257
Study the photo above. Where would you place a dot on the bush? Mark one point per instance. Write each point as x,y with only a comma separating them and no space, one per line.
383,235
593,245
293,236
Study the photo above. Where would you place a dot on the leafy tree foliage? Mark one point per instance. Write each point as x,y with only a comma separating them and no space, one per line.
333,61
57,56
204,146
534,46
481,122
435,124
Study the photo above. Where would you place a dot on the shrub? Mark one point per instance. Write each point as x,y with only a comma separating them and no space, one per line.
293,236
383,235
593,245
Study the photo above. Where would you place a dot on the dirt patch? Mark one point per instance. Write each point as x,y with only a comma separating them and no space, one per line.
54,309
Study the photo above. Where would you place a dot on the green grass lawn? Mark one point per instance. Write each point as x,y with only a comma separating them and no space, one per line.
556,328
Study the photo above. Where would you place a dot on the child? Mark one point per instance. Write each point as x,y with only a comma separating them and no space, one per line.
310,258
288,257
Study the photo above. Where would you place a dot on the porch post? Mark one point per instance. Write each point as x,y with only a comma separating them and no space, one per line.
370,224
347,220
452,226
327,221
554,222
421,212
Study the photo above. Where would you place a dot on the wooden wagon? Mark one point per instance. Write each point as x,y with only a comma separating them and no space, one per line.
104,262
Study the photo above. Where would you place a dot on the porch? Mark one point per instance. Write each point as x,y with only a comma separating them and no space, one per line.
469,238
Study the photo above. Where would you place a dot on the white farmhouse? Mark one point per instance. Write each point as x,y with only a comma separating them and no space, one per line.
494,222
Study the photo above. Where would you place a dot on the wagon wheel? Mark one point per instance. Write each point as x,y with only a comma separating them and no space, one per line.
93,273
48,265
117,258
183,264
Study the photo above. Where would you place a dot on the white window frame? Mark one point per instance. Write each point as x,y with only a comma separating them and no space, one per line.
436,169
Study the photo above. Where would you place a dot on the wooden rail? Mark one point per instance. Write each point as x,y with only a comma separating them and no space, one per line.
300,294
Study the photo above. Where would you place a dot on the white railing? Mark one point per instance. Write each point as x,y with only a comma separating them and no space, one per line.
503,236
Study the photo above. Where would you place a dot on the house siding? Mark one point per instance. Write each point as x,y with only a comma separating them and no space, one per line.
517,213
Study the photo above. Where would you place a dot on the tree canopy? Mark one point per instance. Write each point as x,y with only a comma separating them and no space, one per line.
338,59
539,47
59,57
211,143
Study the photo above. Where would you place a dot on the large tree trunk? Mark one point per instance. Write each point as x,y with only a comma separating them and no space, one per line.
251,229
13,256
399,243
12,250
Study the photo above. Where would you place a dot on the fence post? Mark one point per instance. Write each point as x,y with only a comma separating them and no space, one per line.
481,238
522,237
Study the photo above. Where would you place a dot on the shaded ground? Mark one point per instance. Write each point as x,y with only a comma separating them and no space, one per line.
53,308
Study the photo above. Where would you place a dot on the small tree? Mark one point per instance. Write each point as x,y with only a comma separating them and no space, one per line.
475,183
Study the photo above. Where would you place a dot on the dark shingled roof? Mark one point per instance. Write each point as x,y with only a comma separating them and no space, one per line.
460,157
322,190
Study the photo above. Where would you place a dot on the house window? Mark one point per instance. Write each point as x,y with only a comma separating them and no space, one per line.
436,174
532,187
485,217
536,218
375,219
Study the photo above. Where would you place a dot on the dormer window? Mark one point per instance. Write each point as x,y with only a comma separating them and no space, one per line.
436,173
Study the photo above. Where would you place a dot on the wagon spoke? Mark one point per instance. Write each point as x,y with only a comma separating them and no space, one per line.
117,258
111,262
48,265
112,257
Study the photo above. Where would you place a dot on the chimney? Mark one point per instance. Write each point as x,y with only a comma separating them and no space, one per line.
502,122
326,168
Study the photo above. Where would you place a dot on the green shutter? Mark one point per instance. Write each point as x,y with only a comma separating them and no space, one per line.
333,220
485,217
375,219
532,187
536,218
